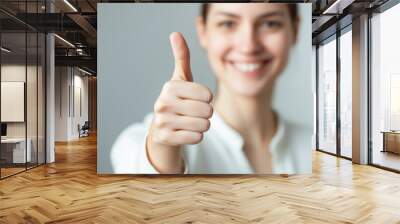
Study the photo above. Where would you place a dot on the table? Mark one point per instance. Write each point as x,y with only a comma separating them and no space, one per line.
15,148
391,141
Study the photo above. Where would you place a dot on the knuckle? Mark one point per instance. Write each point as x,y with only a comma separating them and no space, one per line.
208,94
169,88
197,138
157,106
207,125
163,137
160,121
166,85
161,105
208,111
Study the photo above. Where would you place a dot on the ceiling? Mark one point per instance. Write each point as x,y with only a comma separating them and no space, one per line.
76,22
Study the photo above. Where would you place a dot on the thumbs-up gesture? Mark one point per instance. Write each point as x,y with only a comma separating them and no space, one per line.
181,113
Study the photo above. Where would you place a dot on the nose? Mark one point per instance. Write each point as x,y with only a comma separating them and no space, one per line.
248,41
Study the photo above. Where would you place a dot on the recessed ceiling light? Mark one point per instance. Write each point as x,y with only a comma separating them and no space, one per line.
337,7
65,41
84,71
70,5
5,50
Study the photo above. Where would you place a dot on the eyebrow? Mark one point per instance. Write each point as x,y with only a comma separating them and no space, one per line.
268,14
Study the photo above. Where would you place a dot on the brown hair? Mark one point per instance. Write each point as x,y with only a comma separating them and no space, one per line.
292,11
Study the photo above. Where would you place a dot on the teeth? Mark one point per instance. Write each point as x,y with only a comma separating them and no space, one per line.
247,67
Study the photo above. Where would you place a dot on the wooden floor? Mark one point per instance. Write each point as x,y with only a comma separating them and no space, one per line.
10,171
70,191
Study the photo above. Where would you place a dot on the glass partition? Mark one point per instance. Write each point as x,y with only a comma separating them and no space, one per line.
41,107
14,153
22,77
327,96
32,95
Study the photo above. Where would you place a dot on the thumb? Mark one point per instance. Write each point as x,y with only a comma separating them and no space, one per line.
181,56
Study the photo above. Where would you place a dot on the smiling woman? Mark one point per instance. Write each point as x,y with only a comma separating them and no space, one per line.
237,130
248,45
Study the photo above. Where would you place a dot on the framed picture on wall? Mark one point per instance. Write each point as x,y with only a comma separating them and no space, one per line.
12,101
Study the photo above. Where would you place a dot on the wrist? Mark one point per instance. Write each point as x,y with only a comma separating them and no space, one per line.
165,159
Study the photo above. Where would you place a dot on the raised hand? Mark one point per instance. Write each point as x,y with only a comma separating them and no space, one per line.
181,113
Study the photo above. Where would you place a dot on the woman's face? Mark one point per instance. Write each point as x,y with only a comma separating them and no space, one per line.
247,44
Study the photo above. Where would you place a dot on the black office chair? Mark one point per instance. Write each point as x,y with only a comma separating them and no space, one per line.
84,130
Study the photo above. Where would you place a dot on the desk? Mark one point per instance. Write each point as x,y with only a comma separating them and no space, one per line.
391,141
15,148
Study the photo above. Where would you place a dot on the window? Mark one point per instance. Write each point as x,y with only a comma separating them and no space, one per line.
346,93
385,89
327,96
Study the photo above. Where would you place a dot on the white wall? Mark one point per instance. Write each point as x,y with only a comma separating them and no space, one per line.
61,103
12,73
69,82
80,83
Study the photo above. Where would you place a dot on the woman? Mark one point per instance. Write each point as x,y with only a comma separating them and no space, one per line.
235,131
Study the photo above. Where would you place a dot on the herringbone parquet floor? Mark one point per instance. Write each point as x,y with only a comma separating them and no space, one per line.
70,191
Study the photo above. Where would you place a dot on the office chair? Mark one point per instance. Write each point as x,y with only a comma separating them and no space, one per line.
84,130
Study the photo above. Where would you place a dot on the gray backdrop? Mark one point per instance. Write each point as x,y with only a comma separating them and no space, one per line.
135,59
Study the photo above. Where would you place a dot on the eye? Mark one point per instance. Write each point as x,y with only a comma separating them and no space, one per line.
271,24
226,24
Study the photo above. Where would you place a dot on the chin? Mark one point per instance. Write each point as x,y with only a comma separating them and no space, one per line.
248,89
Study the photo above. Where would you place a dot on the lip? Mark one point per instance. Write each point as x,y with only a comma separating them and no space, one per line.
249,68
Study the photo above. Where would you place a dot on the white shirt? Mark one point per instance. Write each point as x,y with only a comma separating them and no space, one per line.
220,151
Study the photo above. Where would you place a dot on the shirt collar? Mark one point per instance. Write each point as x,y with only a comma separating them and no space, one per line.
231,136
235,140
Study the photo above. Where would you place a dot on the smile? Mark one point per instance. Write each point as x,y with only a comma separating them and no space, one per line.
251,69
247,67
